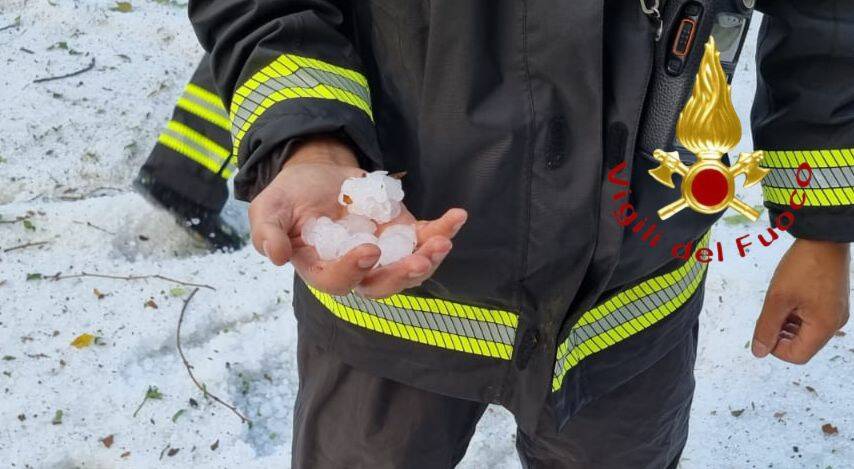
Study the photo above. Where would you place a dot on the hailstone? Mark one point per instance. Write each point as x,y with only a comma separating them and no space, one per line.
374,195
396,242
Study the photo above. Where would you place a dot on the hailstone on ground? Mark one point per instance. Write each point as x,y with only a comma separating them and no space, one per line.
370,200
374,195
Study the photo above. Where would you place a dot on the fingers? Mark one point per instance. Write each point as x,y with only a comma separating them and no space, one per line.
776,309
802,338
447,225
270,220
408,272
335,277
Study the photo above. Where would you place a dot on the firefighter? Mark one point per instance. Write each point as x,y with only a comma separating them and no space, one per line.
506,117
189,166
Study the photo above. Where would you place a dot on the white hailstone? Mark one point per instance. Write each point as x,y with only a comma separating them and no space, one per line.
354,241
375,195
396,242
358,224
326,236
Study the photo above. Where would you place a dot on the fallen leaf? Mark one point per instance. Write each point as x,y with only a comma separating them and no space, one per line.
34,276
736,413
172,452
107,441
125,454
57,418
153,393
829,429
98,294
811,389
779,415
839,334
193,403
122,7
22,417
151,304
8,358
29,225
178,414
215,445
83,340
177,291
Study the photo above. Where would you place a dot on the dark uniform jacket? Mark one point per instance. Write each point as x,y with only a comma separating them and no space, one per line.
517,111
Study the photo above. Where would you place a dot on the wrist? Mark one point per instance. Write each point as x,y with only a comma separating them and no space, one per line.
322,149
825,246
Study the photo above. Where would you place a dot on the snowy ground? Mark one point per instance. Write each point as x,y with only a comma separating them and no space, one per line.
68,149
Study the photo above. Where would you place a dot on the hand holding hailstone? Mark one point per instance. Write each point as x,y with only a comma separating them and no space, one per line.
343,229
371,199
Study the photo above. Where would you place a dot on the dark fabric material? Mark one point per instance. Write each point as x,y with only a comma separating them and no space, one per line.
192,181
642,424
345,418
348,419
805,95
597,375
500,107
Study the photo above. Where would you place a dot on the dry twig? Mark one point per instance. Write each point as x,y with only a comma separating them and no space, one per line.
131,277
92,225
189,368
26,245
68,75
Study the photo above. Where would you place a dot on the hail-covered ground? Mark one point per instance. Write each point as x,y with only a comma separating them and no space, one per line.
68,151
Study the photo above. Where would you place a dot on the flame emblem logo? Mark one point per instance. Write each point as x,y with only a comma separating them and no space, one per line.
709,127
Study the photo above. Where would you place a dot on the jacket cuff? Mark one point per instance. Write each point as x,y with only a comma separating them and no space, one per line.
816,187
270,141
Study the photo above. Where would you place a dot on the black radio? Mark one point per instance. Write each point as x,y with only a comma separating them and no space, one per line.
686,26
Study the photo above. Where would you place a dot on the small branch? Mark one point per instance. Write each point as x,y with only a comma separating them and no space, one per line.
92,225
202,387
130,278
16,220
16,24
68,75
24,246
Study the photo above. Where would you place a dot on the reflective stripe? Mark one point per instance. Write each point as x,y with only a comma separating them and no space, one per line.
832,182
816,158
205,104
814,197
628,313
292,77
440,323
195,146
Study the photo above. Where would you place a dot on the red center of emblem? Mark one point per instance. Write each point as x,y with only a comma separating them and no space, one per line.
709,187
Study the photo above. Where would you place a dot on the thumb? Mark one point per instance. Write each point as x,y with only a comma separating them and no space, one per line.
775,312
270,219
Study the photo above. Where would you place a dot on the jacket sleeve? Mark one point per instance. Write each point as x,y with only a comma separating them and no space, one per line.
804,113
285,69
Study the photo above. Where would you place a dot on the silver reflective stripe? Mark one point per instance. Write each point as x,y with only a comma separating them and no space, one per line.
822,178
300,79
194,145
205,104
430,321
627,313
464,327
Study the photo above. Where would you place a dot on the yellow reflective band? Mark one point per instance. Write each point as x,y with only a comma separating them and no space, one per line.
294,77
831,182
219,120
204,95
204,104
816,158
814,197
628,313
429,321
195,146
